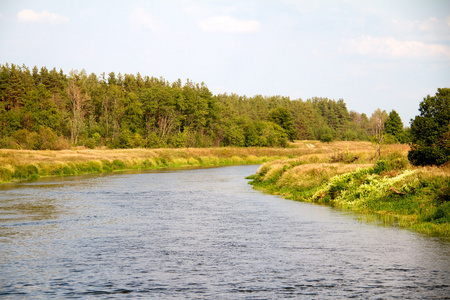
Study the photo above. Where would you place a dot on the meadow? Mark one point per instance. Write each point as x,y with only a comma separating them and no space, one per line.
17,165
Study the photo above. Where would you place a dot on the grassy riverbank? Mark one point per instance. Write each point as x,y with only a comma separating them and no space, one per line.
342,174
28,164
416,198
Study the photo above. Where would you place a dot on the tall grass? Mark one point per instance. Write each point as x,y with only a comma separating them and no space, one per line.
417,198
29,164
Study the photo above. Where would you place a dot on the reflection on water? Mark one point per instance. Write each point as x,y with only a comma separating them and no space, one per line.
201,234
32,210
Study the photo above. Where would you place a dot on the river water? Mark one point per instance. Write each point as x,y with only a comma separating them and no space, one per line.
201,234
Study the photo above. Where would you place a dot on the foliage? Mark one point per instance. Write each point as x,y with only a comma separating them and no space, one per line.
415,198
284,119
430,131
124,111
393,127
325,134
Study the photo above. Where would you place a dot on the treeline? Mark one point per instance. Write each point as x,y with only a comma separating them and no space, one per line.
47,109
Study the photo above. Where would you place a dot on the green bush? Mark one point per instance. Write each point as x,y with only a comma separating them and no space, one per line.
7,143
5,175
107,166
90,143
391,161
118,165
428,155
128,139
326,134
430,131
23,171
67,170
349,135
439,215
44,139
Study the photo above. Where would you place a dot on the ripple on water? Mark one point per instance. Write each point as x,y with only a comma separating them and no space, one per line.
202,234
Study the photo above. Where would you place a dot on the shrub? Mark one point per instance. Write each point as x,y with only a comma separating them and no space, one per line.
326,134
107,166
90,143
5,175
44,139
439,215
7,143
430,131
118,164
349,135
23,171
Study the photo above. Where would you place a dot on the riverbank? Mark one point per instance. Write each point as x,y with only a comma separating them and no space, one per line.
348,175
17,165
415,198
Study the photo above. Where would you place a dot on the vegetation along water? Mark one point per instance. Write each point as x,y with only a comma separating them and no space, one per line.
52,123
413,197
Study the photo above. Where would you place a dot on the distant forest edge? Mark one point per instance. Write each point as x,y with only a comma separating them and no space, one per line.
42,109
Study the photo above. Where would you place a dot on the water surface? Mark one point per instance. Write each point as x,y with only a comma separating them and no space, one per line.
201,234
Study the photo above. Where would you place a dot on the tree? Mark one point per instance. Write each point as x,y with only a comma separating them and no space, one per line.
377,121
430,131
283,117
39,110
270,134
394,126
132,110
78,101
326,134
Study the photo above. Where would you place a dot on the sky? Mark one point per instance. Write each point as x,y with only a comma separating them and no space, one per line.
372,54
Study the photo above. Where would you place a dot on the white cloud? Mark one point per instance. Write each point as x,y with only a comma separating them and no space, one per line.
432,29
142,19
28,15
228,24
391,47
438,27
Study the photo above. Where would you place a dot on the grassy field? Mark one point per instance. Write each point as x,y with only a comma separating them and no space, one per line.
18,165
350,176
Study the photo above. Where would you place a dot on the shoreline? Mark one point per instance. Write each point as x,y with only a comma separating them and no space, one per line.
346,175
19,165
23,165
414,198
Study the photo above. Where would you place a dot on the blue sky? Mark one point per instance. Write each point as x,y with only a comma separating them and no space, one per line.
373,54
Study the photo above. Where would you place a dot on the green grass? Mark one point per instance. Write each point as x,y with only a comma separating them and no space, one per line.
417,198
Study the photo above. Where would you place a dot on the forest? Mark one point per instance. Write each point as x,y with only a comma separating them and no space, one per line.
47,109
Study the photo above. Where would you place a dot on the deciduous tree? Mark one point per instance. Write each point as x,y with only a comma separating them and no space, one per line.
430,131
78,102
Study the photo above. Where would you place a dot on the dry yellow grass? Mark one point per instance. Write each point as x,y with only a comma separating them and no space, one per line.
14,157
78,161
310,175
387,186
324,156
433,171
320,151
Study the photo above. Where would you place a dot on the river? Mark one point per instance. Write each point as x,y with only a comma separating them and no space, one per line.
201,234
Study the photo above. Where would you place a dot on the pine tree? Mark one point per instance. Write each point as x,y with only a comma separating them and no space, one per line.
394,126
